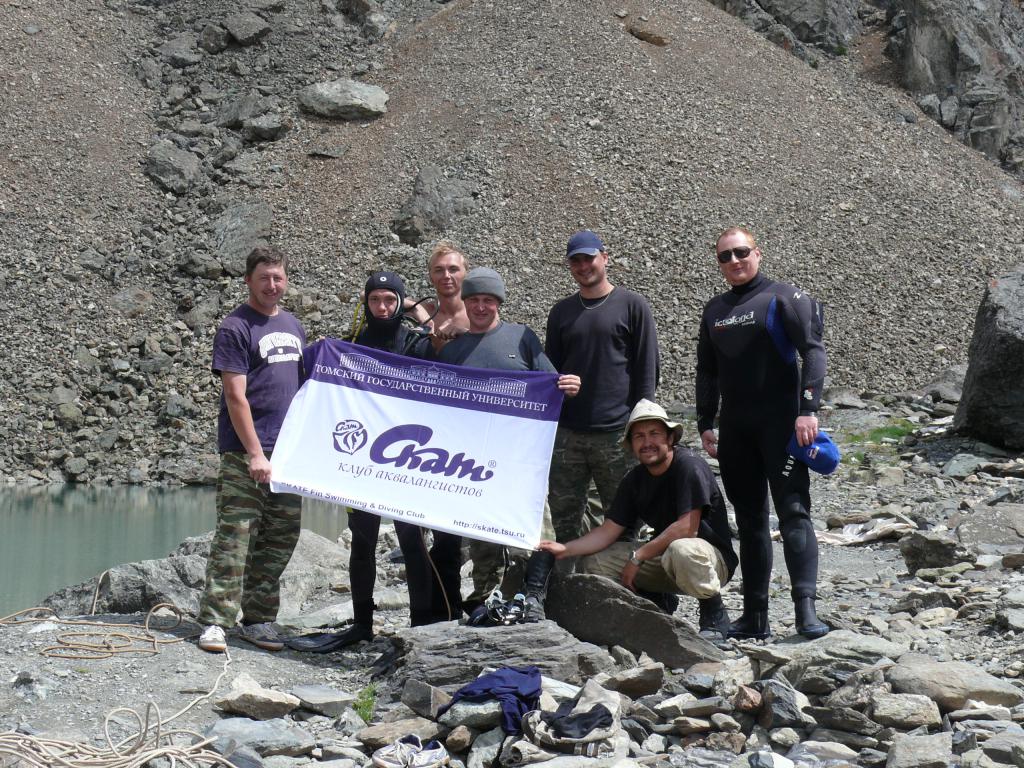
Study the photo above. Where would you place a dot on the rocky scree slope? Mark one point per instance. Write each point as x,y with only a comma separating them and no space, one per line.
530,121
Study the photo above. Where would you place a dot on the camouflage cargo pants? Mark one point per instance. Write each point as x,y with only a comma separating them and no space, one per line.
495,565
578,459
256,533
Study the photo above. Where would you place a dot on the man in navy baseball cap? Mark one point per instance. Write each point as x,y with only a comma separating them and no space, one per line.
605,334
585,242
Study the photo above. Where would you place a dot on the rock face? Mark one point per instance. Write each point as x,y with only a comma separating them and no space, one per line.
992,405
344,100
831,25
575,600
967,57
438,656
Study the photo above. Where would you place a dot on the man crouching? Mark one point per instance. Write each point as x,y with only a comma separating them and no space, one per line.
676,494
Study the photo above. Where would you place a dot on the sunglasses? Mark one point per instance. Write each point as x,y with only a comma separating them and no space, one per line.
724,257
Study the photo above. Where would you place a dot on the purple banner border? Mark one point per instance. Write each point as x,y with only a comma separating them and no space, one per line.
525,394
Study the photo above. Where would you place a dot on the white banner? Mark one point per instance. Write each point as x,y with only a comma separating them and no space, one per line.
463,450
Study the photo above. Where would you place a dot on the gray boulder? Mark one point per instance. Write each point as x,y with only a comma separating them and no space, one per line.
270,127
951,684
214,38
992,406
246,28
435,203
436,655
930,751
344,100
239,229
179,579
267,737
1000,527
235,111
928,549
576,602
173,169
824,665
137,587
180,51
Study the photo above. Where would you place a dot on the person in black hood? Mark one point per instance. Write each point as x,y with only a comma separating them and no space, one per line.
430,600
383,299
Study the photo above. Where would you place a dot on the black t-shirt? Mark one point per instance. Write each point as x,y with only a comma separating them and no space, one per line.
612,345
661,500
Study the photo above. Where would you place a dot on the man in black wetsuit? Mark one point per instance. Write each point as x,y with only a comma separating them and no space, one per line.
747,351
383,299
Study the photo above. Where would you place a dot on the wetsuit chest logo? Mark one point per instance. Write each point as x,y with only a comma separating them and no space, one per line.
734,321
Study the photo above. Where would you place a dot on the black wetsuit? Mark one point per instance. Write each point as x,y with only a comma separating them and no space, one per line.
426,601
747,357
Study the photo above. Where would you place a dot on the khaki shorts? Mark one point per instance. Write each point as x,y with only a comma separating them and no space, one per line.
689,566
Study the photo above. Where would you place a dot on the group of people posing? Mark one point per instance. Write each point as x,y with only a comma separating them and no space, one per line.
657,522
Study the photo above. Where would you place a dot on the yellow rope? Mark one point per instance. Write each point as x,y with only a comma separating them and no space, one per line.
70,645
358,321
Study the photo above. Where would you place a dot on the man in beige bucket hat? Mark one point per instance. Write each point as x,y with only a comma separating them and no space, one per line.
676,494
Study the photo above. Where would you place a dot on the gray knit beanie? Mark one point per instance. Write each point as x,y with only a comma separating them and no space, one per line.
483,280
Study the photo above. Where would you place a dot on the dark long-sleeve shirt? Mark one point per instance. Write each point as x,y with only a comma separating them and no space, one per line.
612,345
747,354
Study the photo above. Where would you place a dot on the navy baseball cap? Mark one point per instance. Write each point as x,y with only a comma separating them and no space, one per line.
822,455
586,242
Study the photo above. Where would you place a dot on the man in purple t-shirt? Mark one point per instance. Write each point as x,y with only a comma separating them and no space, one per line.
258,355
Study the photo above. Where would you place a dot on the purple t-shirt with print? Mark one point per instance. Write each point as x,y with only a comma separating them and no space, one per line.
268,350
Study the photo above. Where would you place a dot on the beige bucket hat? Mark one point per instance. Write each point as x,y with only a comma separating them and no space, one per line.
645,410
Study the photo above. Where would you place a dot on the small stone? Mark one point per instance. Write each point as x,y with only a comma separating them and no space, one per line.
247,28
249,698
377,736
460,739
344,100
323,699
933,751
481,716
180,51
213,39
905,711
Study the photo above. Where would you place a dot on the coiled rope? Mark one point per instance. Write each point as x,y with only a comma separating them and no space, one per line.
151,741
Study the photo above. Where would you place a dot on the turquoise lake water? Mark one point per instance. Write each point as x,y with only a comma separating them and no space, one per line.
53,536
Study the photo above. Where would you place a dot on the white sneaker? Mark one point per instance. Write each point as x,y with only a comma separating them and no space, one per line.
263,636
398,754
213,639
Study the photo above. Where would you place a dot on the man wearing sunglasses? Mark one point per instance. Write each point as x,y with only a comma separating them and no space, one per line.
750,339
605,335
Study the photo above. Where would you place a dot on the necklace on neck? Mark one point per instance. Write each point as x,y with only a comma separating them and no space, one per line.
596,304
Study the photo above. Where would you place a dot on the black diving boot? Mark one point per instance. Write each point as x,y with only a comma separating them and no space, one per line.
713,619
807,622
535,584
753,622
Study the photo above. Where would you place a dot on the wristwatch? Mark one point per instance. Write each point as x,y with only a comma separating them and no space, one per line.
634,559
